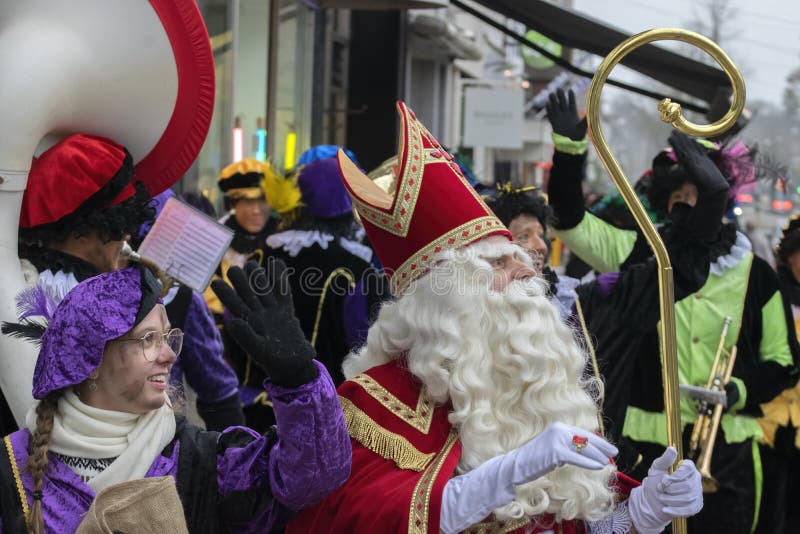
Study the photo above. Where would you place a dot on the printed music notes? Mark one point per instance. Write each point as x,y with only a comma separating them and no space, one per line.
186,243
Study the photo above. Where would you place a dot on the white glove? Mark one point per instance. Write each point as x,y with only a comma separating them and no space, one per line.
470,497
662,496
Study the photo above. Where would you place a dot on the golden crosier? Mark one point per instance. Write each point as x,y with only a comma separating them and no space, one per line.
671,113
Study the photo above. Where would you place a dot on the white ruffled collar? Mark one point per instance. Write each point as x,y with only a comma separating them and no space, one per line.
293,241
739,250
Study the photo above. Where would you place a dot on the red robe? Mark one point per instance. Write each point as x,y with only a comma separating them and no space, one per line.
404,452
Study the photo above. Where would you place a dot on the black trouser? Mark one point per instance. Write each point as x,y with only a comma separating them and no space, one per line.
772,517
731,509
780,501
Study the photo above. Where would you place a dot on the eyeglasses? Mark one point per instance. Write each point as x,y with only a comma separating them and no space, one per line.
152,341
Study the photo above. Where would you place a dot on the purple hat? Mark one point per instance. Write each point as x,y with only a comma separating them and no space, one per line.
96,311
323,192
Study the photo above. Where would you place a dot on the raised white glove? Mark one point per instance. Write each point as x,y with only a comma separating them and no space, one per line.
663,496
470,497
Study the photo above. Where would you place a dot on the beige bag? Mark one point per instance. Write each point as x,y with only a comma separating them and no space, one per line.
143,506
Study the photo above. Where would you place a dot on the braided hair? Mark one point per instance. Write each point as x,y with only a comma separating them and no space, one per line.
37,458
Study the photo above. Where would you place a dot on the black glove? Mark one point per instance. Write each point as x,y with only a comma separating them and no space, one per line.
563,115
694,158
221,414
732,393
264,324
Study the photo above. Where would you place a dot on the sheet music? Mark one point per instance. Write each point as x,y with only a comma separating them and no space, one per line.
186,243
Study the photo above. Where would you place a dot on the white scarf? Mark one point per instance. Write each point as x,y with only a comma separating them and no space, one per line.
135,440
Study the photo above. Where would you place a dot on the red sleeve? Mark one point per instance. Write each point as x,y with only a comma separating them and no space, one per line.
625,485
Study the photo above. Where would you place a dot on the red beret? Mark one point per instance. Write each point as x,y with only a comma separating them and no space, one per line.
82,171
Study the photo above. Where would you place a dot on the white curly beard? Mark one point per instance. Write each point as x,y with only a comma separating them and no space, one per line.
508,365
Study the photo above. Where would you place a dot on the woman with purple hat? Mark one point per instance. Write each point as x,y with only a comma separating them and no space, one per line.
71,237
104,415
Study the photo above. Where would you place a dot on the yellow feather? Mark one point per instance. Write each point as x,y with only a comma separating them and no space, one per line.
282,192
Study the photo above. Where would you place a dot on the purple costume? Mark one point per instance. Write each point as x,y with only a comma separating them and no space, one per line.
277,474
201,361
236,481
201,358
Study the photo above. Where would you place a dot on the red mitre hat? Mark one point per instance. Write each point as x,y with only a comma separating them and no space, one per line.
82,171
434,208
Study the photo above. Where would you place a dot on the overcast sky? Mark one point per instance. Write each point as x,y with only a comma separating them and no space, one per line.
766,43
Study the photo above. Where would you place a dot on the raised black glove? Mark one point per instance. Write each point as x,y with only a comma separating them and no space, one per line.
563,115
264,324
694,158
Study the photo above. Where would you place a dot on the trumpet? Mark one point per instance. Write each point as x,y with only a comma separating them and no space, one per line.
706,426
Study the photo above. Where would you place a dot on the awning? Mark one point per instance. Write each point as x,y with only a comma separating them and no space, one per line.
376,4
579,31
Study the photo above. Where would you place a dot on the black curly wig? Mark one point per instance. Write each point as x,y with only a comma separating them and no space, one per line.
790,240
510,204
112,223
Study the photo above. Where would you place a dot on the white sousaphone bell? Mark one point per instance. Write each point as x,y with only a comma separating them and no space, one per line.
140,72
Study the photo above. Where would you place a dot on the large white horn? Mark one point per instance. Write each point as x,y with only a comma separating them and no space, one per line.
138,72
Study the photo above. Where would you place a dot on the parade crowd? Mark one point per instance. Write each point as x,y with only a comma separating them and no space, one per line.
393,352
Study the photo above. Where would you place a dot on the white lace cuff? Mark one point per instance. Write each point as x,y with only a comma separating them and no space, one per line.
617,522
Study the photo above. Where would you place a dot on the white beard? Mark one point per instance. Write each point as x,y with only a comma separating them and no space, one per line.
508,365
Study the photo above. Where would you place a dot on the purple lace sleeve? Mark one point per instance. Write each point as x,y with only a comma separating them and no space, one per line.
312,456
201,358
